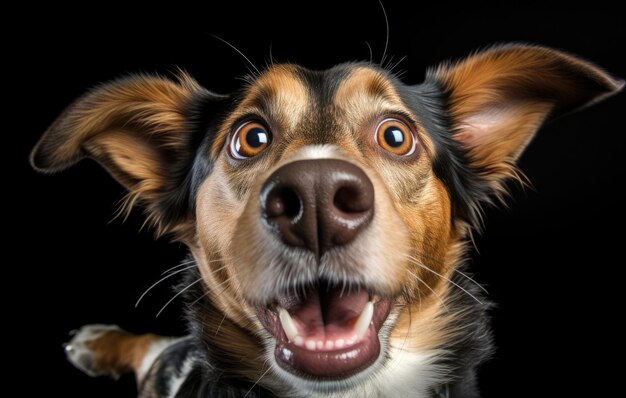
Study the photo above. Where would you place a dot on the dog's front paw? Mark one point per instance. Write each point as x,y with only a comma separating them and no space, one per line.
79,351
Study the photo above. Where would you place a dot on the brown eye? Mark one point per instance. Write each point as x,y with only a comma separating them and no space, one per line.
395,136
250,139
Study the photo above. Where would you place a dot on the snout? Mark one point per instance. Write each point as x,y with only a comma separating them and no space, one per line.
317,204
318,252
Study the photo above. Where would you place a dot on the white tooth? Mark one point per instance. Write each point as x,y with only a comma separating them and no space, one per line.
339,343
330,344
289,326
310,345
299,341
361,325
320,345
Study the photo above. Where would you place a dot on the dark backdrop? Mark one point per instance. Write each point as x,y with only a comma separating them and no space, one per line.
550,260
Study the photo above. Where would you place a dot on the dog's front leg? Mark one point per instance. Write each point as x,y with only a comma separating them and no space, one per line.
100,350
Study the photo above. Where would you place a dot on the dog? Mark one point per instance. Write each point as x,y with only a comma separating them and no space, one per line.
327,214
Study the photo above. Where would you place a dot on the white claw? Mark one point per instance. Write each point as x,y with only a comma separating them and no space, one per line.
361,325
289,326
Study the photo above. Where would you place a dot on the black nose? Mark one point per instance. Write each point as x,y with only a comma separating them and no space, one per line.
318,204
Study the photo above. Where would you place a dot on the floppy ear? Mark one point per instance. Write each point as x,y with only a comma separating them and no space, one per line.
497,99
139,128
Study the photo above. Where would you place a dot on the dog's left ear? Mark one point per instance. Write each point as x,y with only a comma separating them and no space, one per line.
497,99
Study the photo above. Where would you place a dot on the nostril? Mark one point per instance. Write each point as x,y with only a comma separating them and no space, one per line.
348,200
283,202
317,204
354,197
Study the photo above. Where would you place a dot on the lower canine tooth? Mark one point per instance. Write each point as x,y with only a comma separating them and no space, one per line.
289,326
361,324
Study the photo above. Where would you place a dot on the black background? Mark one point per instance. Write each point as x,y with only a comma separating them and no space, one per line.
551,260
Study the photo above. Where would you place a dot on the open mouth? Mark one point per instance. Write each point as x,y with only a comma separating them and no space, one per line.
327,331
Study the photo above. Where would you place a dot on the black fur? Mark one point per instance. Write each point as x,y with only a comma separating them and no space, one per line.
205,116
203,378
169,364
209,376
475,344
467,189
465,186
215,368
188,169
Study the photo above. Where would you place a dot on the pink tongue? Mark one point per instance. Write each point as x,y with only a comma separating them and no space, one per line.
326,313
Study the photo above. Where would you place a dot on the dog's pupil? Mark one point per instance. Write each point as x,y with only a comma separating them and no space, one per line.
256,137
394,137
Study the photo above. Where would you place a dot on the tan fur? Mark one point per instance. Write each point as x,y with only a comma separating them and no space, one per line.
227,223
153,105
500,97
118,352
365,94
411,248
286,97
412,220
128,127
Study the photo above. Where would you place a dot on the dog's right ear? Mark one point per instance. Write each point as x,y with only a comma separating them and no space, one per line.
139,128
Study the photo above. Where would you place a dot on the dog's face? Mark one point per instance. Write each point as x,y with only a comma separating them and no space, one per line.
322,214
327,211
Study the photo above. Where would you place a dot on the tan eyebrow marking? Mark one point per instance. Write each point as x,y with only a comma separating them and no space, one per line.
278,94
362,87
367,92
281,92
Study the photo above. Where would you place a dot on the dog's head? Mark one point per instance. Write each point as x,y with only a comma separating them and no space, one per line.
326,210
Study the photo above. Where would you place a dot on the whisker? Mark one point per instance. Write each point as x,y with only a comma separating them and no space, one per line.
178,266
194,261
391,66
174,273
271,55
178,294
440,262
419,264
382,60
206,294
257,382
370,50
203,295
161,280
431,289
471,238
419,303
408,330
240,53
220,325
472,280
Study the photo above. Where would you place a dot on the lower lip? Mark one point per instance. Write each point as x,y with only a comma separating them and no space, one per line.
334,364
327,364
